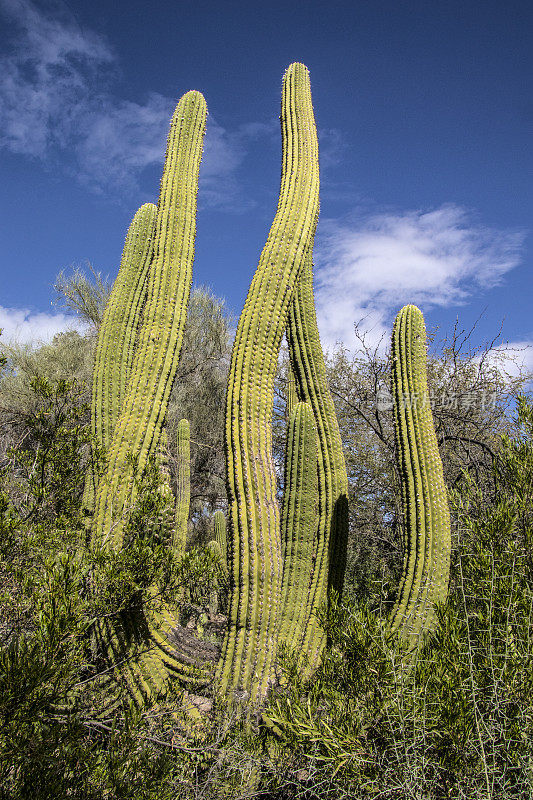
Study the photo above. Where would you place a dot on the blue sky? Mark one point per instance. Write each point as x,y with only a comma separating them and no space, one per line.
425,119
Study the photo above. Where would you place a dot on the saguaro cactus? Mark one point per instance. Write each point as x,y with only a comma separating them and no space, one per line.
251,639
118,332
426,518
183,486
145,404
299,517
307,362
140,643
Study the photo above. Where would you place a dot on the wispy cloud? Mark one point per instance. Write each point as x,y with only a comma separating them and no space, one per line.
57,105
120,139
47,78
368,267
25,326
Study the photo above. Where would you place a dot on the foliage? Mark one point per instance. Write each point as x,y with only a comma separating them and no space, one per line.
55,738
458,721
82,294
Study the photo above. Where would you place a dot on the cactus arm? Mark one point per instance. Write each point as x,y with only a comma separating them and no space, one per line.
120,321
183,487
426,517
161,332
250,642
298,523
307,361
117,334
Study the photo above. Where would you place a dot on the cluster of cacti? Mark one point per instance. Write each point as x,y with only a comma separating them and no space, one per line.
279,570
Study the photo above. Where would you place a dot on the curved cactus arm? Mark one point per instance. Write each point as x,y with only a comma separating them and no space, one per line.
183,486
145,656
298,523
251,639
145,404
426,517
118,332
307,361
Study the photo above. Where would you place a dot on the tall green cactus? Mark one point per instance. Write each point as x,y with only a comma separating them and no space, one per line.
139,645
251,639
160,337
299,519
183,485
426,518
307,362
118,333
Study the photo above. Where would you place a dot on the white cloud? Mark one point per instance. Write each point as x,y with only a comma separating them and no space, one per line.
368,268
46,80
25,326
55,100
120,139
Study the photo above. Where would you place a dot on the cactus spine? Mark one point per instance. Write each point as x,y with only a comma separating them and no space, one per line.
183,485
298,522
250,643
307,362
426,518
161,332
118,331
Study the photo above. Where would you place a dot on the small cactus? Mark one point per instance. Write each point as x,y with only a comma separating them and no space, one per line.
219,524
